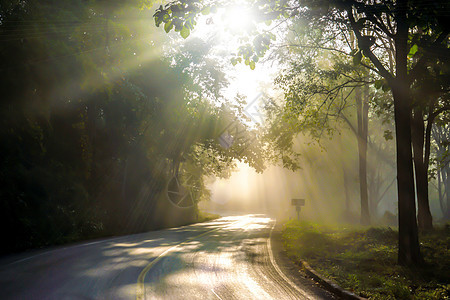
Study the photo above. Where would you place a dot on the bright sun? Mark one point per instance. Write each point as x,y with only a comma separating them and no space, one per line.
228,28
238,18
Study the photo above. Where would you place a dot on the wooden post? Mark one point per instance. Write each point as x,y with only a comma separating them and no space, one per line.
298,203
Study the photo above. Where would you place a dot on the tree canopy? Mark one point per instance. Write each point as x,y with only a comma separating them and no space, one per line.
96,121
403,44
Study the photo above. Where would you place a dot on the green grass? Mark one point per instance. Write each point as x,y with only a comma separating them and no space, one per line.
363,259
204,216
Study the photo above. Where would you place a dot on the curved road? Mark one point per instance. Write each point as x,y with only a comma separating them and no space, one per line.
228,258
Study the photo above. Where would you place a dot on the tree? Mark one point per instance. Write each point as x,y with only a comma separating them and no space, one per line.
409,251
362,107
441,136
319,85
93,117
372,24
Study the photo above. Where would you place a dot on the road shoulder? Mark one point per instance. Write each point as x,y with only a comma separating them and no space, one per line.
293,271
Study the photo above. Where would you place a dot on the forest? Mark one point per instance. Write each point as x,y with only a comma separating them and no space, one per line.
112,125
97,119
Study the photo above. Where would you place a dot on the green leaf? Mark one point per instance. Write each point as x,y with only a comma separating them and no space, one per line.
168,26
252,65
388,135
185,32
206,11
189,24
357,58
379,83
158,19
413,50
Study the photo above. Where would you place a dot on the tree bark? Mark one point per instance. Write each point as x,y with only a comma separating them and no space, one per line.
440,135
424,218
444,201
374,192
408,251
362,115
347,194
447,192
408,248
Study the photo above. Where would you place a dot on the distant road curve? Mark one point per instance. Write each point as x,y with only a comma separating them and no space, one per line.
228,258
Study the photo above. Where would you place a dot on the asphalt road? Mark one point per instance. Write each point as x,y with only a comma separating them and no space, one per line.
228,258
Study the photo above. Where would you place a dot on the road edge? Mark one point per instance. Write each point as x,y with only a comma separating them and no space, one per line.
277,267
324,282
293,272
329,284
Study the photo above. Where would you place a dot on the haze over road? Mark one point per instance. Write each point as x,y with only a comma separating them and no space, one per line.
228,258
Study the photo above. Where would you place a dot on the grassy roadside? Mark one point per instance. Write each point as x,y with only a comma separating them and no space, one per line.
363,259
204,216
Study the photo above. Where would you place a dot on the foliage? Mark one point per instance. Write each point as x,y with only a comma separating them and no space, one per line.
363,259
95,119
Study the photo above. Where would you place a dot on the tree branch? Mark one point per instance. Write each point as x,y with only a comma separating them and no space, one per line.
425,58
315,47
367,52
380,25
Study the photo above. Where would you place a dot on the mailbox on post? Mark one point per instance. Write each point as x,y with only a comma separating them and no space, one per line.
298,203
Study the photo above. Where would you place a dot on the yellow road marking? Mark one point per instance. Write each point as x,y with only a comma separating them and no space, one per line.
140,291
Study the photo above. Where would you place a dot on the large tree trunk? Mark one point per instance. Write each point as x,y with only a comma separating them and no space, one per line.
362,113
424,218
408,248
